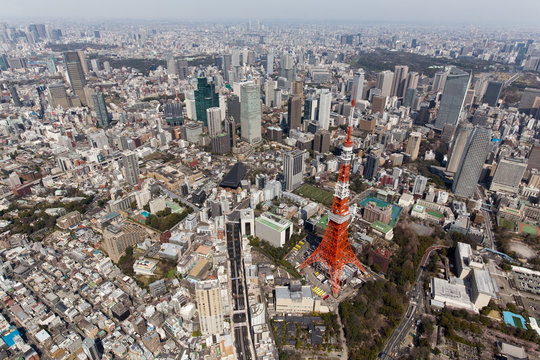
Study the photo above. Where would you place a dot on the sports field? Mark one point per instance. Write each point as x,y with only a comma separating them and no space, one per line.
314,193
528,229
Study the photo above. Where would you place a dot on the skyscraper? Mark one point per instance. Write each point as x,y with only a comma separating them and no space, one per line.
15,96
439,80
58,96
471,164
294,112
210,307
233,108
100,108
76,75
213,115
131,167
250,113
410,96
420,183
205,97
269,87
463,132
84,61
384,82
358,85
310,108
293,169
172,66
183,70
412,82
453,97
174,115
413,145
325,102
270,62
399,80
493,91
372,165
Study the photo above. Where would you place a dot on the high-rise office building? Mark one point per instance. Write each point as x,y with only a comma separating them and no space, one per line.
493,91
310,108
321,141
410,97
420,183
412,82
269,87
250,113
173,113
293,169
298,88
100,107
230,129
413,145
472,162
453,97
205,98
439,81
384,82
399,80
233,108
227,62
172,66
84,61
378,104
325,103
463,132
58,96
529,103
372,165
358,85
183,69
130,164
210,307
76,75
294,112
270,62
15,96
508,175
213,116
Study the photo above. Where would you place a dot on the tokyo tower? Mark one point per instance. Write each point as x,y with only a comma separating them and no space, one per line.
335,250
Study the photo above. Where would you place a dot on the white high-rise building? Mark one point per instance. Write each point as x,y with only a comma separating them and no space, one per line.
358,85
270,62
293,169
325,102
250,113
384,82
213,116
269,88
210,307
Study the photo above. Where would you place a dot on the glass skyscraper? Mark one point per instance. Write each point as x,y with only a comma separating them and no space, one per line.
453,97
205,98
472,162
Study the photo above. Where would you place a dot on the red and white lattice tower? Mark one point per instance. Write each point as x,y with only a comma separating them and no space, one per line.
335,250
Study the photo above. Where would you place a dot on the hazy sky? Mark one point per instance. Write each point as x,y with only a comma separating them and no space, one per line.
508,12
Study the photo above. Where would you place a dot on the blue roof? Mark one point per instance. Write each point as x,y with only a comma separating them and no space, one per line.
9,336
